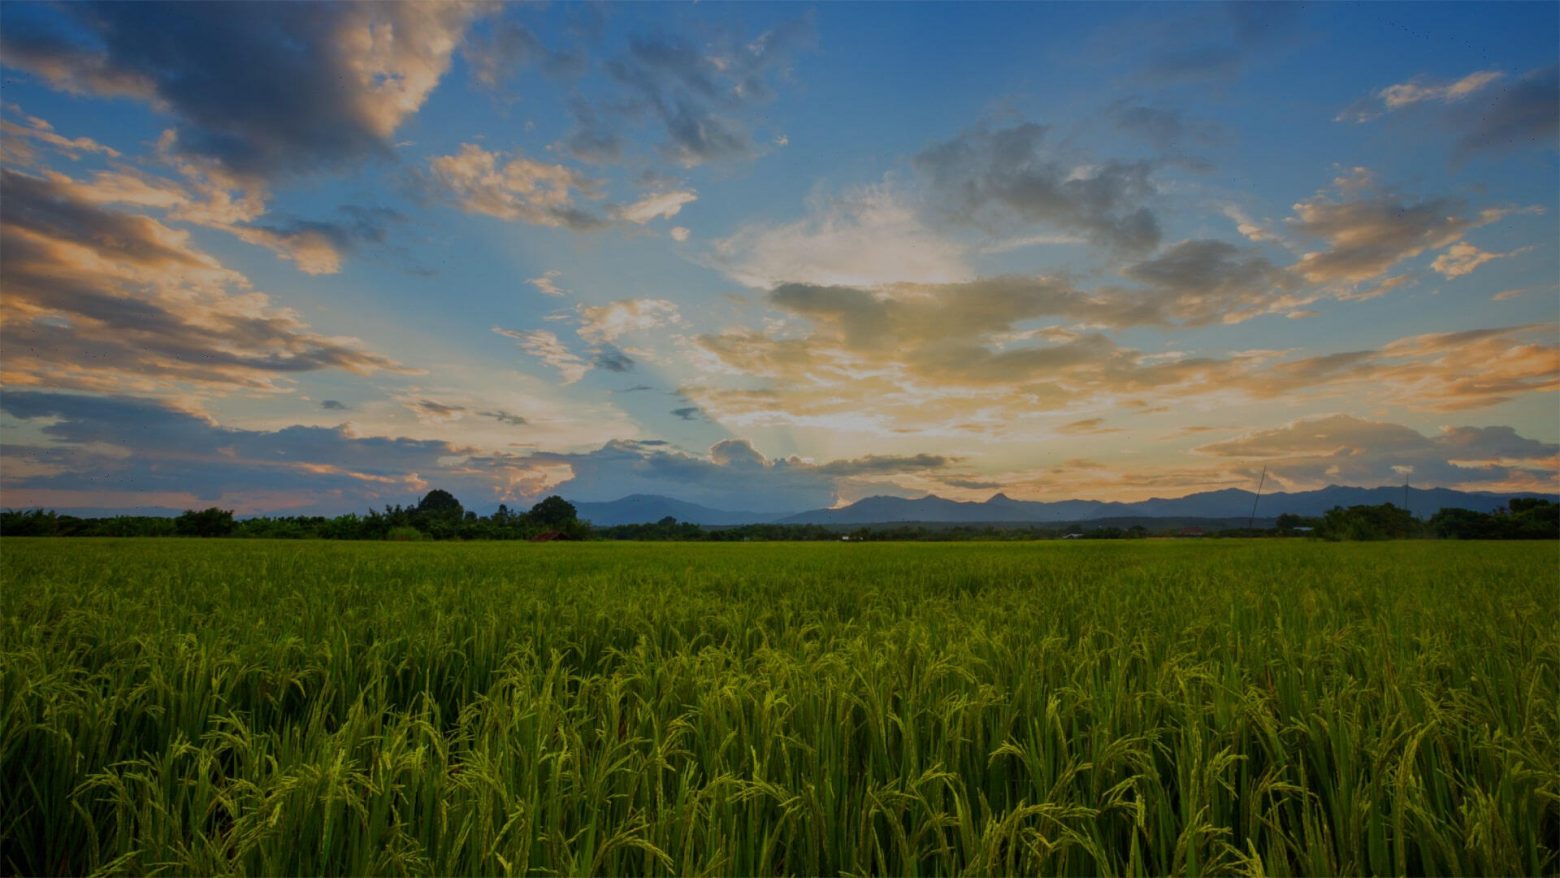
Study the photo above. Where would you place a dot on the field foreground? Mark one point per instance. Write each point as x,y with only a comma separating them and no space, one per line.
1259,707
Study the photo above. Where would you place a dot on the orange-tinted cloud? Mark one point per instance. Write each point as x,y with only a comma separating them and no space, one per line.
105,300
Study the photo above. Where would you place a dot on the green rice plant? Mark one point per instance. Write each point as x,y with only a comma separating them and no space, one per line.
1144,708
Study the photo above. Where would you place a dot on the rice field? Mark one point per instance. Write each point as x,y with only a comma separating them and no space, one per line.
1128,708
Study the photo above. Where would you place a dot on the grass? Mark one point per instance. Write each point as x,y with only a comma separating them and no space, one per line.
216,707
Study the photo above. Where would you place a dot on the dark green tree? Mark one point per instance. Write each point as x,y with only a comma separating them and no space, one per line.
211,522
1383,522
554,512
440,504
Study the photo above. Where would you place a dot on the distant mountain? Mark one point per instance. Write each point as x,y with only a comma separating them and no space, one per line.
645,508
1228,503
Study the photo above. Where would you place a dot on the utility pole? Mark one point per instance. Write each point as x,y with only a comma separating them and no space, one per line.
1251,522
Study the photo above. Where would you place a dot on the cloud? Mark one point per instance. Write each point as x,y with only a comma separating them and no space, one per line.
731,475
261,91
1170,132
101,299
497,50
137,451
1489,111
547,284
612,359
1204,281
679,234
1417,91
332,405
1343,449
504,417
1462,258
1447,371
512,188
1523,113
702,96
548,348
868,236
605,323
317,246
963,359
433,410
884,465
689,413
994,178
17,139
1087,427
314,246
657,205
1368,229
1207,42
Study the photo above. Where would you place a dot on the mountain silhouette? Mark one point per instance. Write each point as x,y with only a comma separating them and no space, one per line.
1228,503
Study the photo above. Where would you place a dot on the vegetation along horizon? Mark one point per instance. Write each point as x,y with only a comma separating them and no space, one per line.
1150,707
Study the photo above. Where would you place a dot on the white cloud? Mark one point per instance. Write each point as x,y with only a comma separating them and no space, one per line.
1462,258
657,205
604,323
1416,91
513,187
679,234
866,237
547,347
547,284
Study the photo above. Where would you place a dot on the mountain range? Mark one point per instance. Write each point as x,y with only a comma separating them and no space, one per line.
1228,503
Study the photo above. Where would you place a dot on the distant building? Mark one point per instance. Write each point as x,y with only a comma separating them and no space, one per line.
1191,532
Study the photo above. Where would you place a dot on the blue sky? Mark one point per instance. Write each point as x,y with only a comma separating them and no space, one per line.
773,256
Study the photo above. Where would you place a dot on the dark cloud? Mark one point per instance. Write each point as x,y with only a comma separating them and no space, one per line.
1203,281
357,226
594,138
1170,132
993,178
500,50
437,410
1523,112
333,405
504,417
261,89
612,359
972,484
702,96
884,464
689,413
1217,41
109,445
1164,129
1087,427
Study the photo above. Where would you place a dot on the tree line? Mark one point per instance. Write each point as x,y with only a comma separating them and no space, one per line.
1521,519
437,516
440,516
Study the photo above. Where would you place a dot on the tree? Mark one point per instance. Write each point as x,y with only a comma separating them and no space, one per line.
554,512
211,522
1384,522
440,504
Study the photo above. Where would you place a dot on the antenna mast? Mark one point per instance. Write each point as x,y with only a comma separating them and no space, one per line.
1251,522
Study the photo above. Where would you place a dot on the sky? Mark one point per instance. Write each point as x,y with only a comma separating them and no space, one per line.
300,259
